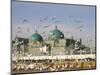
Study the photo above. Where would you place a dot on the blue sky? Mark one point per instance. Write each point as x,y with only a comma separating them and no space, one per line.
70,17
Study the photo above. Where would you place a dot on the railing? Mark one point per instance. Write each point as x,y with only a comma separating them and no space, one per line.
82,56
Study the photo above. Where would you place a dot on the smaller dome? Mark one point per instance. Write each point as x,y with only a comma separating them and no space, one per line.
56,34
36,37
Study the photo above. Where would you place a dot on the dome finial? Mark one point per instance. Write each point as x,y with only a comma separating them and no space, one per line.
56,27
36,31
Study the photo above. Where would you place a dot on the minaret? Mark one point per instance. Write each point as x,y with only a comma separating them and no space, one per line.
80,41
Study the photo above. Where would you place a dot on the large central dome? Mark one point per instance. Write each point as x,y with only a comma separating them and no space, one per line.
56,34
36,37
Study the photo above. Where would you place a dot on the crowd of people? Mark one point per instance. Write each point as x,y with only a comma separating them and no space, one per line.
52,65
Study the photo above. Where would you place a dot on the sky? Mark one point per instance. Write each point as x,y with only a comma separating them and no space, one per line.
73,20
